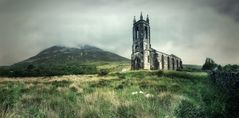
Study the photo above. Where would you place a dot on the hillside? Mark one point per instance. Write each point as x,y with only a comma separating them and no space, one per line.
137,94
192,68
59,60
60,55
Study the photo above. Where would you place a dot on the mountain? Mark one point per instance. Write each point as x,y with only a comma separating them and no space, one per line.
83,55
60,60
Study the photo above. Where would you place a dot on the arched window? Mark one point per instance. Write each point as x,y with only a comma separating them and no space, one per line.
177,66
168,63
137,64
173,63
137,32
181,64
162,58
146,32
136,47
141,45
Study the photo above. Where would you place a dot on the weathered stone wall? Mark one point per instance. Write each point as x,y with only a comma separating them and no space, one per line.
165,62
228,83
226,80
147,60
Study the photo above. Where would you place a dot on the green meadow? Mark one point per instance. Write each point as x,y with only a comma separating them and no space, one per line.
129,94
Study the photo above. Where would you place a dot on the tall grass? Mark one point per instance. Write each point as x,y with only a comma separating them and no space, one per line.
126,94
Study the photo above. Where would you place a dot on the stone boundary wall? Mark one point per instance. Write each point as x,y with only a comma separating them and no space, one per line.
226,80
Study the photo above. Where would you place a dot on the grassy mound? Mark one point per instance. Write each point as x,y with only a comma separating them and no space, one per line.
126,94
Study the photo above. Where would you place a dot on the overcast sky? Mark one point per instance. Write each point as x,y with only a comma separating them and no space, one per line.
190,29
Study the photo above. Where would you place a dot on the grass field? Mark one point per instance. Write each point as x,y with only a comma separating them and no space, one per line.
141,94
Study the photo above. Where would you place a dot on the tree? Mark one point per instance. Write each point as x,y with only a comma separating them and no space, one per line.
231,68
209,64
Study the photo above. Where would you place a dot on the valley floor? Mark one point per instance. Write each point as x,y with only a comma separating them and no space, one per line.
140,94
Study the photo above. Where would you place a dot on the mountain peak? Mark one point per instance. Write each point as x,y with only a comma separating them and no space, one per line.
65,49
81,54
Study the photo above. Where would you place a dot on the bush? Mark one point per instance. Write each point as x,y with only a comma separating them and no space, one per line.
231,68
51,70
160,73
103,72
209,64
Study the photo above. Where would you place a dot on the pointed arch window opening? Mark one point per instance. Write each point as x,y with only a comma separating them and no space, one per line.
173,64
136,47
137,32
162,58
168,63
146,32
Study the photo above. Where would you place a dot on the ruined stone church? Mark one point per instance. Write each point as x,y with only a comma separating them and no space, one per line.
145,57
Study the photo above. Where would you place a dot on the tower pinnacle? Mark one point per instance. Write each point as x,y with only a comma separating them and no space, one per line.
134,19
141,16
147,18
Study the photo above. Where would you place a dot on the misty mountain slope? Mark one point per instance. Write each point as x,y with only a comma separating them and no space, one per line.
60,55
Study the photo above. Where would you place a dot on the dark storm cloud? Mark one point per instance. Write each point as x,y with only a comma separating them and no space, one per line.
228,7
191,29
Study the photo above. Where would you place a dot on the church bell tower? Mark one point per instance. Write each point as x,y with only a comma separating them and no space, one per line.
140,58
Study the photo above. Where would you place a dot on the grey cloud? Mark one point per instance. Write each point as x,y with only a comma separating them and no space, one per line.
227,7
190,29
